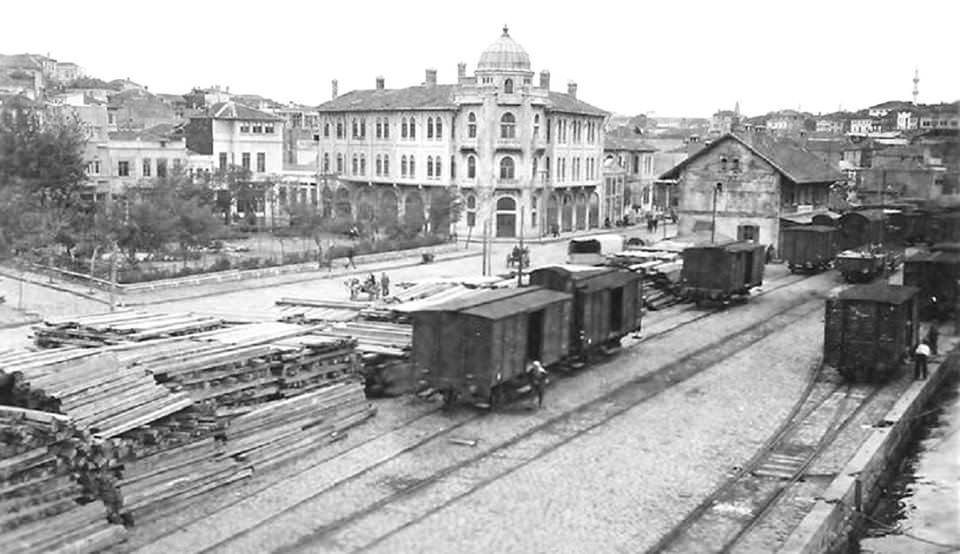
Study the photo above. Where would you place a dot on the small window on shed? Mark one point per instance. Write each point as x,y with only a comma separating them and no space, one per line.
723,164
736,164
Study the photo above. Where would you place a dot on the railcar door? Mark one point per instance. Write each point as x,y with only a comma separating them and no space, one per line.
747,267
616,310
535,335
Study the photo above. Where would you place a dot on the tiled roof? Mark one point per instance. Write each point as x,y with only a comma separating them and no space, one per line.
613,142
787,157
232,110
437,97
420,97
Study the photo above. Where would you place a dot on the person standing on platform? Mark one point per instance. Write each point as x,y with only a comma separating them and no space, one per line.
384,285
920,356
538,380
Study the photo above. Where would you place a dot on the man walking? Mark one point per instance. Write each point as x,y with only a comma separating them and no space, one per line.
385,284
350,254
920,356
538,380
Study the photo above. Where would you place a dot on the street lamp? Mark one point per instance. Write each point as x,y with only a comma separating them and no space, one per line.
713,227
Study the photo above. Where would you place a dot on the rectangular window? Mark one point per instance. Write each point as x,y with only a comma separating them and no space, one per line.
261,162
244,127
386,128
257,129
123,169
268,129
146,167
161,167
245,160
223,160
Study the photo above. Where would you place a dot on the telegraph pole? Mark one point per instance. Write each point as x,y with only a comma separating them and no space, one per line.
713,226
520,261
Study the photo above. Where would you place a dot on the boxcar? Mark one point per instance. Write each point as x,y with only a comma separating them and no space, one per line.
869,329
476,349
721,271
862,266
861,228
936,274
808,247
828,219
607,302
593,250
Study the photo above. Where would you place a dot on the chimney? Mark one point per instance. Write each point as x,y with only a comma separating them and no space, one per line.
572,89
333,89
545,79
380,83
431,78
461,72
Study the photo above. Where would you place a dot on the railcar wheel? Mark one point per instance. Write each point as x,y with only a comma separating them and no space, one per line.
449,398
497,398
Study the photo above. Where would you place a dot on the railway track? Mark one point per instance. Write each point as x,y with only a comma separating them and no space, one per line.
656,382
541,439
726,516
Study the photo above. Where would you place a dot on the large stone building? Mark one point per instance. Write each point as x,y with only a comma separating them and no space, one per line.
748,182
524,158
635,157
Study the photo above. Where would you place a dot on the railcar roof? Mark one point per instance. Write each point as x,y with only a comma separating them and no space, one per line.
873,215
535,299
946,247
879,292
461,303
811,229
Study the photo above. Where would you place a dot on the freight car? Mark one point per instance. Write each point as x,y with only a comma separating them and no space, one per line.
607,303
936,274
476,349
721,272
808,247
865,264
869,329
861,228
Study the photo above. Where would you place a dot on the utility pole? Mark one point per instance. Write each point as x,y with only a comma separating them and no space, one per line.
713,227
483,247
520,261
113,279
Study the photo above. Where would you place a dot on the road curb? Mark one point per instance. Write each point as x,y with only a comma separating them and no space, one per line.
51,286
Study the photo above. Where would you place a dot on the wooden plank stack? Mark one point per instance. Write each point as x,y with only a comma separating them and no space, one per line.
118,327
385,349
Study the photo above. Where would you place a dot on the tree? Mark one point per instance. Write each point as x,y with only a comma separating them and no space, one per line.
42,172
446,206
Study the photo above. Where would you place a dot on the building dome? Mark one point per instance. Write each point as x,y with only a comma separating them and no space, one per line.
504,54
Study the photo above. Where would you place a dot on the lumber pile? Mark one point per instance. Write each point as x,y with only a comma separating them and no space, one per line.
50,481
117,327
311,315
660,266
385,354
269,436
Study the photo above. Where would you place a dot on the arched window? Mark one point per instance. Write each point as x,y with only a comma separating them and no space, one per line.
386,128
533,173
339,129
508,126
379,166
403,166
379,128
471,210
429,162
453,167
353,127
363,128
506,204
437,168
386,165
736,164
506,168
534,202
413,167
536,125
354,164
439,128
472,125
339,163
404,133
413,128
326,162
471,167
508,86
429,131
471,202
326,130
723,164
363,164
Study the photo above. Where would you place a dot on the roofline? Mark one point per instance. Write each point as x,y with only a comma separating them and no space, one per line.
391,109
689,159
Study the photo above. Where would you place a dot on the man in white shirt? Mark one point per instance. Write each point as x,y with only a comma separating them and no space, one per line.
920,356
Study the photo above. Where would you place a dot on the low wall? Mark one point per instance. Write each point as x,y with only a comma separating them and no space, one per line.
242,274
828,525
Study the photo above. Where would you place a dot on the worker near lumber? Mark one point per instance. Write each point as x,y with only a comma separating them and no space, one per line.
920,356
933,336
351,252
538,380
384,285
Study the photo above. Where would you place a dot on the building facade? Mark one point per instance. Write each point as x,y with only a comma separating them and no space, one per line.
524,159
635,158
746,184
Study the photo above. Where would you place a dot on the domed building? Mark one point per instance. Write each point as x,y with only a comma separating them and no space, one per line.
524,159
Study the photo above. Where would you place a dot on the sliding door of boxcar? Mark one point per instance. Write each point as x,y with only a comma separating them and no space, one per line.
556,331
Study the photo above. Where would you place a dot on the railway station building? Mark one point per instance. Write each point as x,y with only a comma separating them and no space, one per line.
523,158
746,182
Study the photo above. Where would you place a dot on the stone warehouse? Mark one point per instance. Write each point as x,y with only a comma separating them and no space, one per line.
748,182
526,159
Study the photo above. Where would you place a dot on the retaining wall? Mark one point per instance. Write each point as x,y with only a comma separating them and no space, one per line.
828,525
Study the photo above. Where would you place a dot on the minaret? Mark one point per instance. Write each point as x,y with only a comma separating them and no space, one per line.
916,85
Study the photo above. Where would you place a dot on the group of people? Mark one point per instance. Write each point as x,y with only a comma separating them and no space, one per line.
926,348
374,288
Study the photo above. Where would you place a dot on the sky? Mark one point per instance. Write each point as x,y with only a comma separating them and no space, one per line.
670,58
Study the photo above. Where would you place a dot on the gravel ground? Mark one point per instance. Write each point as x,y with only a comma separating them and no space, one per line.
384,481
620,487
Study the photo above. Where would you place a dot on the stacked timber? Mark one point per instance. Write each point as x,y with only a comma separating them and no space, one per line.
385,350
119,327
48,495
271,435
660,267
